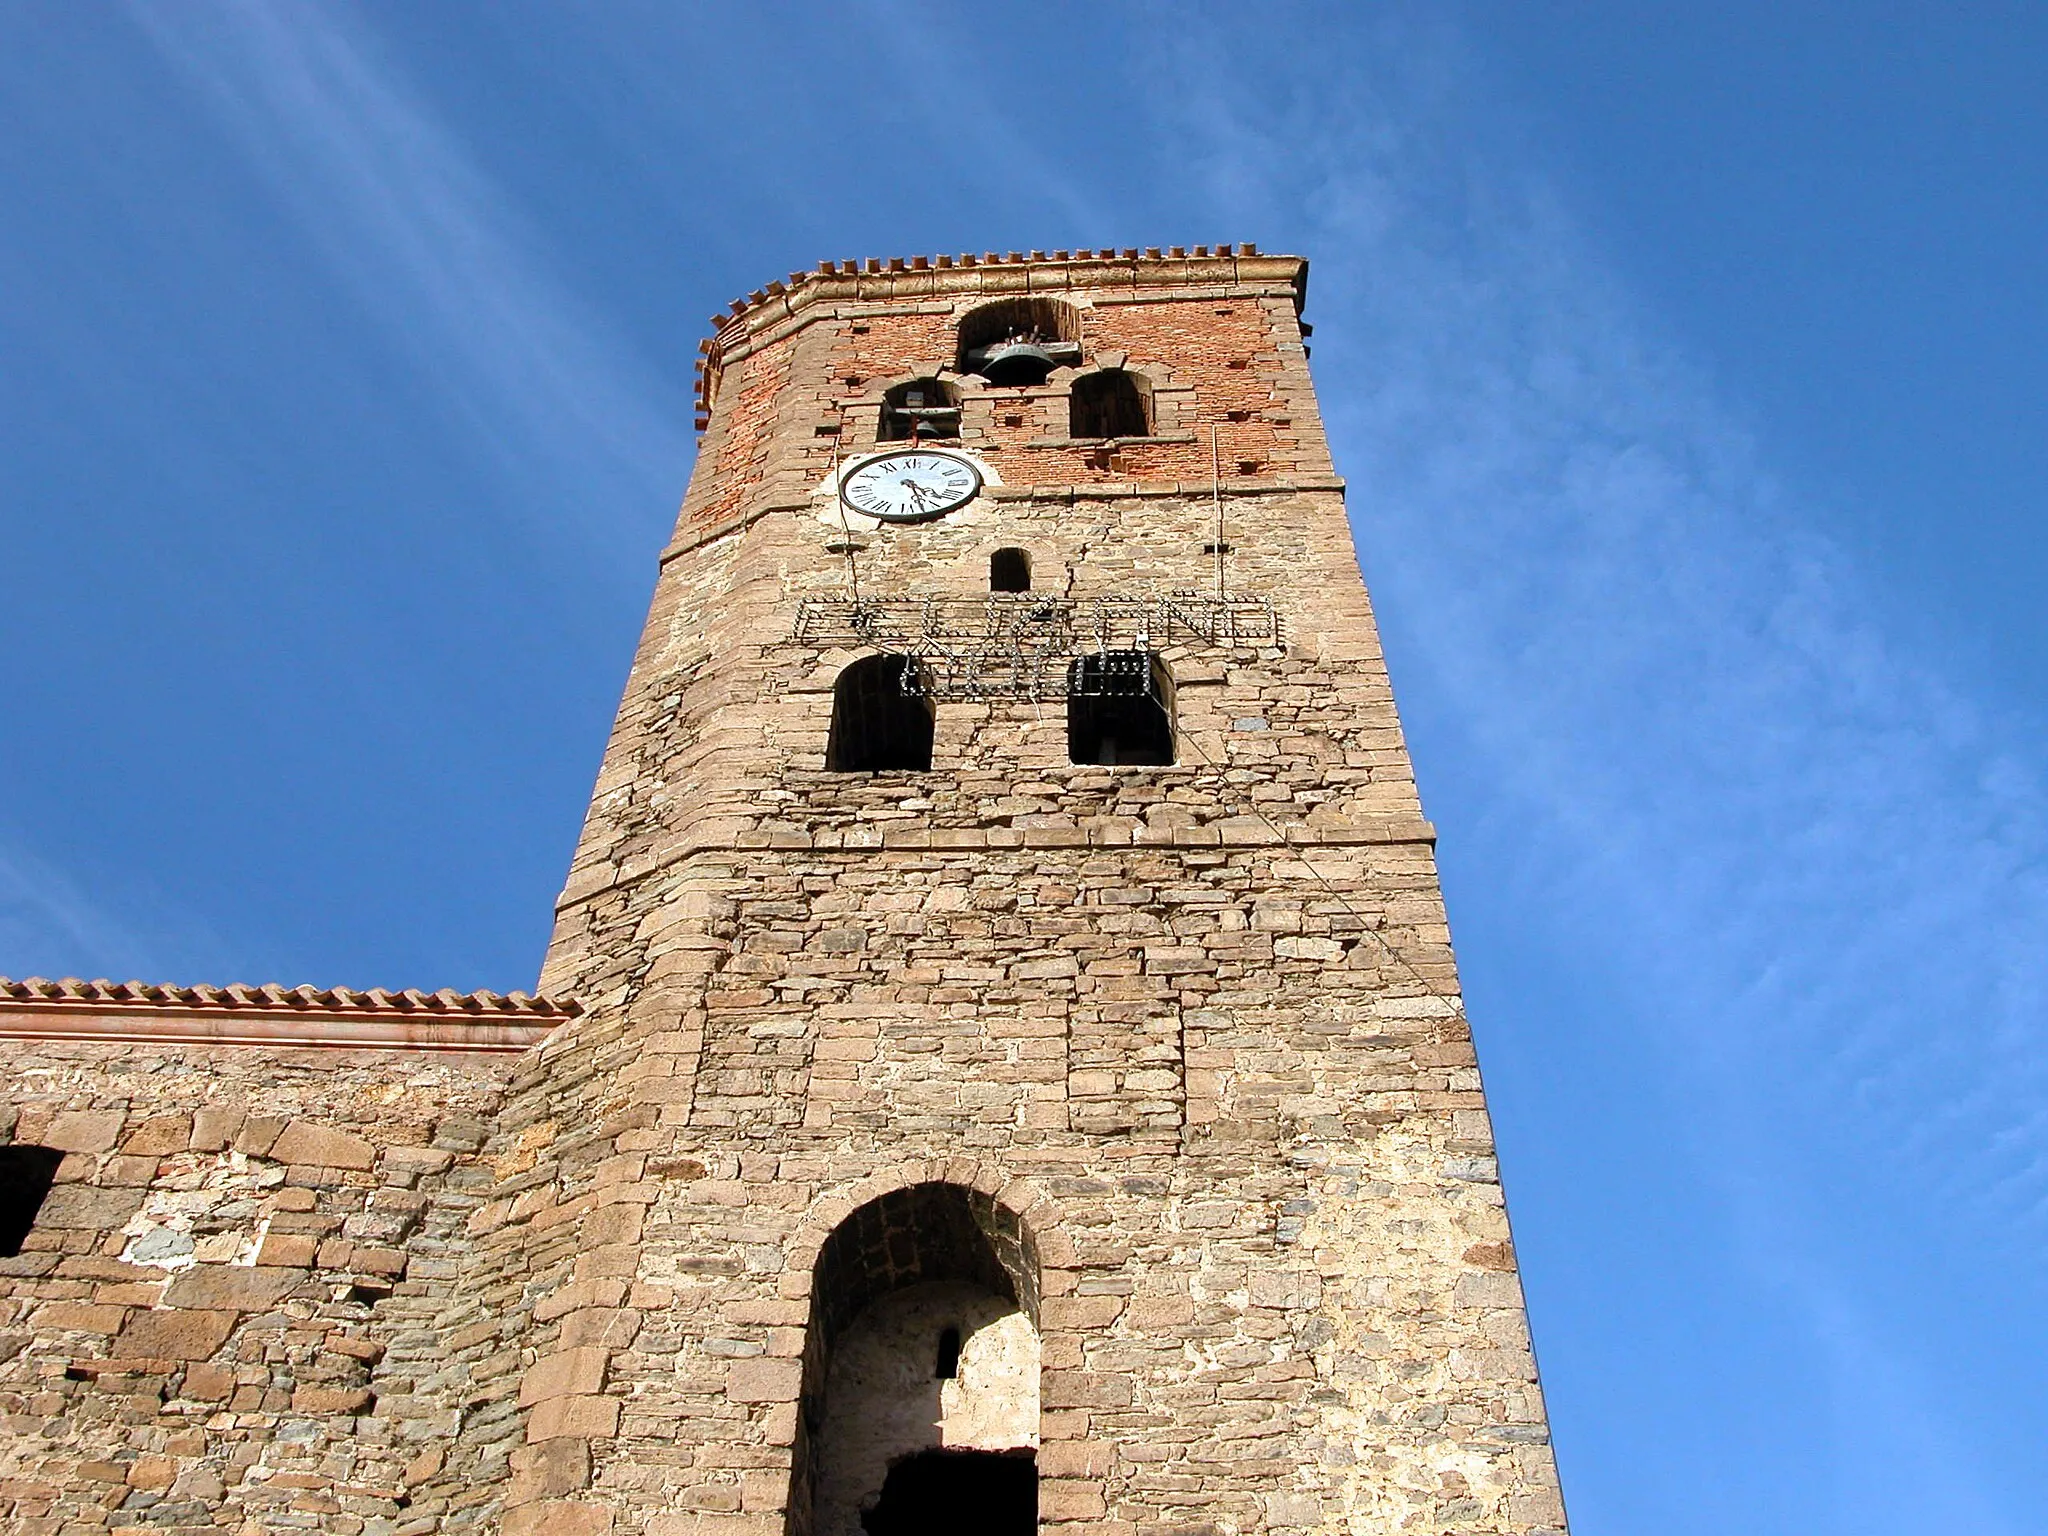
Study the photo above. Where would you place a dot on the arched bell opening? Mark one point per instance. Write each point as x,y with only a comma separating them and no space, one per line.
919,1405
1110,403
927,410
1015,342
881,719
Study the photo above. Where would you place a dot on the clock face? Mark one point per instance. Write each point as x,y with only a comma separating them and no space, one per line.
910,486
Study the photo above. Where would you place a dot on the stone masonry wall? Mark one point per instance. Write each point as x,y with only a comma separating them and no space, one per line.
219,1320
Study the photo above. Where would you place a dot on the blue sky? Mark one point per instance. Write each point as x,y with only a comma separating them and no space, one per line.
1688,371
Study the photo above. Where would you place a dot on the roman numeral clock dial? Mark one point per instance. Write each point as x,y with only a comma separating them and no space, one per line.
910,486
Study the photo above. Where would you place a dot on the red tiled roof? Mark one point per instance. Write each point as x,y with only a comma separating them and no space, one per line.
270,997
139,1015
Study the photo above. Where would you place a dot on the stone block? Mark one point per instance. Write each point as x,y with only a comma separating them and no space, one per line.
578,1294
158,1136
618,1223
1488,1290
84,1130
173,1335
1084,1389
320,1146
587,1418
213,1129
207,1383
610,1328
1080,1311
369,1351
287,1251
256,1134
1061,1498
332,1400
763,1381
79,1317
390,1262
1159,1313
1075,1459
614,1261
549,1470
153,1473
558,1517
232,1287
1287,1511
567,1373
123,1171
82,1207
1499,1257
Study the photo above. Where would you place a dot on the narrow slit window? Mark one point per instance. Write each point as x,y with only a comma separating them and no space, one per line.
948,1366
1120,710
1009,570
26,1174
881,719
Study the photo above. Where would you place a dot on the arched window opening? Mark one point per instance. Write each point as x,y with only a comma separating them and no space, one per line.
925,409
1019,341
26,1174
1120,709
1111,403
919,1404
881,721
1009,570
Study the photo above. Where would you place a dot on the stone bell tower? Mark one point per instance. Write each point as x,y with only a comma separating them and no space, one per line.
1022,1077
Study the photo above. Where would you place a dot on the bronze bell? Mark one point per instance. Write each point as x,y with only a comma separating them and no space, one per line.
1017,362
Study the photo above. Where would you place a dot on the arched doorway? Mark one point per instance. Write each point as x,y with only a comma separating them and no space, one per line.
920,1396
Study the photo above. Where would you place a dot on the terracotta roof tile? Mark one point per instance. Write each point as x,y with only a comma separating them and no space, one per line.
272,998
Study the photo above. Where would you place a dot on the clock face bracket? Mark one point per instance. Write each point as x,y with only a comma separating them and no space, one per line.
910,485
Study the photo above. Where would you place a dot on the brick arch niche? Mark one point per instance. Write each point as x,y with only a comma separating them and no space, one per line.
919,1402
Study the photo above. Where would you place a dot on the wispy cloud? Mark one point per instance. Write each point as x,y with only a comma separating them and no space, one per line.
43,912
436,254
49,913
1815,862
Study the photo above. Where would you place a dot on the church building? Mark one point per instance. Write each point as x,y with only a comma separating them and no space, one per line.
999,1064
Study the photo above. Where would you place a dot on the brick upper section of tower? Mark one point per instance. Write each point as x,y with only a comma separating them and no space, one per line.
1204,329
